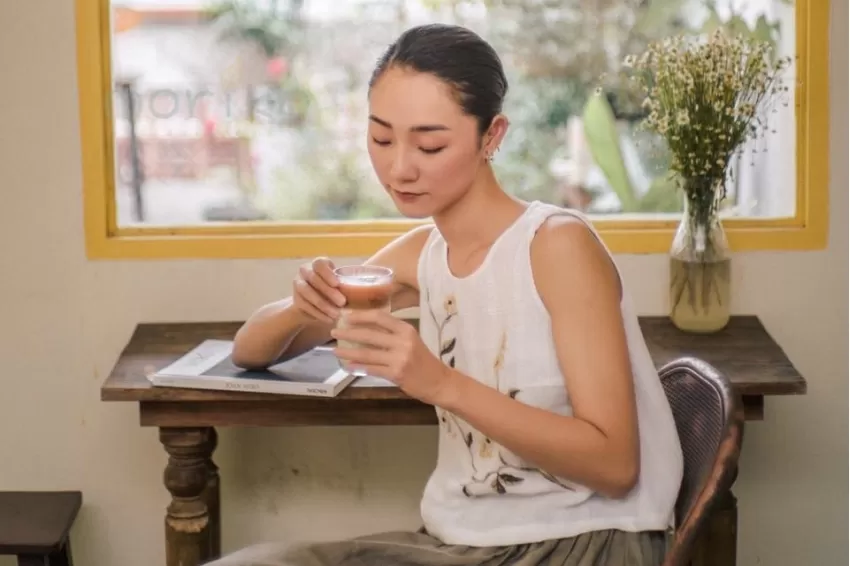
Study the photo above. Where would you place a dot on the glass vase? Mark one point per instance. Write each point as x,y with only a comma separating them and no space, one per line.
700,273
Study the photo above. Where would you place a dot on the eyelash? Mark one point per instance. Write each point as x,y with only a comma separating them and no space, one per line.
429,151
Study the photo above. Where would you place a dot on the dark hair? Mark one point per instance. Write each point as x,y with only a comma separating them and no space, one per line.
458,56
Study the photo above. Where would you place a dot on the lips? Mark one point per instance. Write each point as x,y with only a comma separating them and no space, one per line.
406,196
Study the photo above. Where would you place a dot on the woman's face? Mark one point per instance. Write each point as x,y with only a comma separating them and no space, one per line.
424,149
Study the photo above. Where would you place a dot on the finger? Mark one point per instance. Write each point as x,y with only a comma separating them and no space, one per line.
367,336
323,280
363,356
324,268
314,312
374,371
311,296
376,317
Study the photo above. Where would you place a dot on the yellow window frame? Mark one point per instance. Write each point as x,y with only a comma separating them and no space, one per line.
807,230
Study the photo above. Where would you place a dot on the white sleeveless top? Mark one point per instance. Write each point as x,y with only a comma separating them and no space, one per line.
493,326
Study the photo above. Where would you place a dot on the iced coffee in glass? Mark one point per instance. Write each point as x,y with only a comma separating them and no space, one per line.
365,287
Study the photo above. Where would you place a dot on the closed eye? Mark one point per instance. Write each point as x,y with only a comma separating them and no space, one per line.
427,150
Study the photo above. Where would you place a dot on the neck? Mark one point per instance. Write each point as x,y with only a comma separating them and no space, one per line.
478,218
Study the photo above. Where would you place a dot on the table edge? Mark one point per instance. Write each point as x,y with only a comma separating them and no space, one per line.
143,395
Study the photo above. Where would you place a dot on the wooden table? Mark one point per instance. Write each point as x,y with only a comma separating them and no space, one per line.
744,351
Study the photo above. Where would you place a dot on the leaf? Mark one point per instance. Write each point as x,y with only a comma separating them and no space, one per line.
738,25
447,347
712,22
468,439
662,196
654,15
499,486
555,480
510,479
452,362
764,31
603,141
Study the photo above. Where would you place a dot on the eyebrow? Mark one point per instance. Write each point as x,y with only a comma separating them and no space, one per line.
420,128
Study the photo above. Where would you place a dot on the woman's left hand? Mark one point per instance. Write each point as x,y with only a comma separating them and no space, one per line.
392,349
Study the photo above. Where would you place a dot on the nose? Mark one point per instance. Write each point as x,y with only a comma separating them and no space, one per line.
403,169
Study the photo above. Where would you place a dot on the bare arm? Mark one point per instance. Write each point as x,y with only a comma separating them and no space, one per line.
598,445
280,330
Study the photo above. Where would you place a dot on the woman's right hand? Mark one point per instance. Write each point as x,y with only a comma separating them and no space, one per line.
315,292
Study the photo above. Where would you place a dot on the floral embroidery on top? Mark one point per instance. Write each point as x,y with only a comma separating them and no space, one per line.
499,361
500,476
450,306
486,449
446,355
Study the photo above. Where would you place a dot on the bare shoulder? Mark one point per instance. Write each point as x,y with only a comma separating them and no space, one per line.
562,232
567,255
411,241
416,237
402,256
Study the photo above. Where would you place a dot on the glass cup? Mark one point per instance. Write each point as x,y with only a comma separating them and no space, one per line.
365,287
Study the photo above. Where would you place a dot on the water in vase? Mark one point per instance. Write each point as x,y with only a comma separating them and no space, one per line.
700,294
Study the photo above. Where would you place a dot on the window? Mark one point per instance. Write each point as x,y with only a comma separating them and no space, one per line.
236,128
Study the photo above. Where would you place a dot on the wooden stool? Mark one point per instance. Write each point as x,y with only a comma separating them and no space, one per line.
34,526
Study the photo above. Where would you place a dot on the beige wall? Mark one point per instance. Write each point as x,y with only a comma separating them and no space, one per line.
65,320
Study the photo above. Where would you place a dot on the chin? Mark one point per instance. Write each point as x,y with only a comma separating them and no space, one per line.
415,210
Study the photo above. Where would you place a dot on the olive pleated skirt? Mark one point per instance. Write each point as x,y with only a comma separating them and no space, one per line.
599,548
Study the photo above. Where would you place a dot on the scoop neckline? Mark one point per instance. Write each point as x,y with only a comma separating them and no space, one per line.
511,227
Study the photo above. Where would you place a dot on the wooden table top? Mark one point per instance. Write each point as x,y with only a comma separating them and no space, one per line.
744,351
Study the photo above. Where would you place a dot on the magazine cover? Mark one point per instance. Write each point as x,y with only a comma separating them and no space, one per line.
209,366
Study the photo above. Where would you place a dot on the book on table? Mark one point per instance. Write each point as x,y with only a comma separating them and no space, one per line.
209,365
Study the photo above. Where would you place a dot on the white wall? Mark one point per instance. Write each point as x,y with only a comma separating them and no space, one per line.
65,320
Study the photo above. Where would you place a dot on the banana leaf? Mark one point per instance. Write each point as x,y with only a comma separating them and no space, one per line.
603,140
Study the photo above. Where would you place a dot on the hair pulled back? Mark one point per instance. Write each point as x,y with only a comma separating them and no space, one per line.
459,57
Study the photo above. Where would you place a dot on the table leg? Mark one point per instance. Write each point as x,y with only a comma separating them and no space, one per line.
187,520
212,497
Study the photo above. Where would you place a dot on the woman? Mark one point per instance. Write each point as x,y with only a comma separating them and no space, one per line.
556,442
